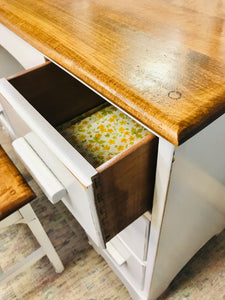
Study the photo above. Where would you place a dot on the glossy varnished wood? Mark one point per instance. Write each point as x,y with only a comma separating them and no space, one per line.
14,192
161,61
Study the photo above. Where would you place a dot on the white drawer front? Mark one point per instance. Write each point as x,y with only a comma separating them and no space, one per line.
51,186
131,268
11,120
80,199
24,53
136,236
30,120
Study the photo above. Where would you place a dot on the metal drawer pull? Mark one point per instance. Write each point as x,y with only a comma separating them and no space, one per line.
50,185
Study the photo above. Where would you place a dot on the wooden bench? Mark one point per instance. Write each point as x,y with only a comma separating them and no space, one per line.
15,197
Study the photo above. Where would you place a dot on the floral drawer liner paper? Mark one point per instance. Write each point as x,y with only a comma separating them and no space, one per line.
102,134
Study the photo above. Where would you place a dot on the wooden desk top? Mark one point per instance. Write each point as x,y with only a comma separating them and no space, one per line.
162,61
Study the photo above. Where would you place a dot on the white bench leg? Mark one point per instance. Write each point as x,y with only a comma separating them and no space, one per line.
41,236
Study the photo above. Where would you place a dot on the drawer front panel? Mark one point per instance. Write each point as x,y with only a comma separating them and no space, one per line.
79,199
48,182
25,54
132,269
33,121
136,236
18,126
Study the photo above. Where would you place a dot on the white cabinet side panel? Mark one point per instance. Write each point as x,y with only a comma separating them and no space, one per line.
195,204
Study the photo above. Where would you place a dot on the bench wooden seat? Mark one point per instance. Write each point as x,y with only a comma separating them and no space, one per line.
14,192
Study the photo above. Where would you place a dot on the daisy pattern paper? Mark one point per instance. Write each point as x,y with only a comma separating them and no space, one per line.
103,134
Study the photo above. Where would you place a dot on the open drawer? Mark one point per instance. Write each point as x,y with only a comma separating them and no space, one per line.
120,189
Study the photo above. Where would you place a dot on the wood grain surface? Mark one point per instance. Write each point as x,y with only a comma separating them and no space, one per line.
14,192
124,186
161,61
56,95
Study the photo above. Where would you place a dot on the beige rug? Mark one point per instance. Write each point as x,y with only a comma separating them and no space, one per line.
86,274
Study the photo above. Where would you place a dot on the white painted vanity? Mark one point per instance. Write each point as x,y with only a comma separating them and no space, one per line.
189,190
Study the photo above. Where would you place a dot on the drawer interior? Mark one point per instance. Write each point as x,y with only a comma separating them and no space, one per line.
95,128
56,95
102,133
124,183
